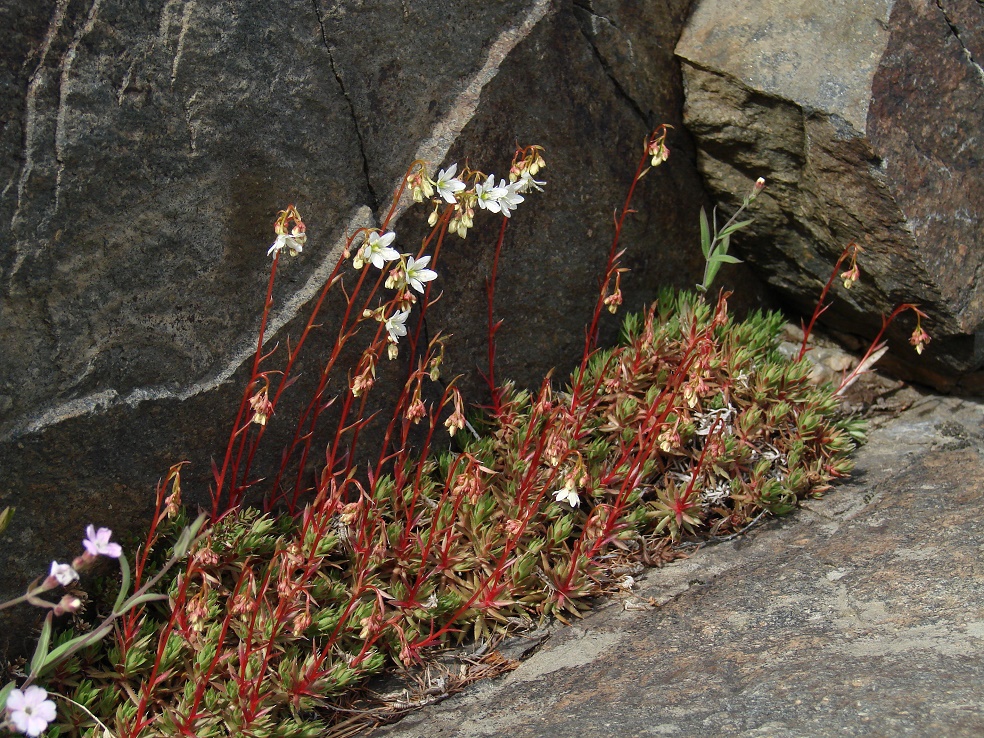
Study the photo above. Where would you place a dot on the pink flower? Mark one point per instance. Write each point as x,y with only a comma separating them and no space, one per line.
64,574
97,543
30,710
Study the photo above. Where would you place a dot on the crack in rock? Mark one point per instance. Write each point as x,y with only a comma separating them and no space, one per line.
373,198
956,34
605,66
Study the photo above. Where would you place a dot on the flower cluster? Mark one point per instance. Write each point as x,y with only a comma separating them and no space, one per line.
486,191
291,238
656,146
29,710
919,337
411,273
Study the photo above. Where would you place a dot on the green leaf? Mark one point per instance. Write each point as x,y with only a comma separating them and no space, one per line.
726,259
83,640
187,536
41,652
705,233
147,597
724,245
6,691
5,516
124,585
710,273
728,230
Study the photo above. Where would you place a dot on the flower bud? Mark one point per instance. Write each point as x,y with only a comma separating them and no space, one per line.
757,188
67,604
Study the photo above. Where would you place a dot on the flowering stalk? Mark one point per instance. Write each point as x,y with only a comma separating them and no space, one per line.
918,339
714,243
849,278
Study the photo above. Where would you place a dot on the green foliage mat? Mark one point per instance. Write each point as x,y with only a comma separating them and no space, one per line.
693,427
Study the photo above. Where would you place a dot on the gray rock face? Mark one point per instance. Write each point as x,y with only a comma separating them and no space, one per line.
864,117
146,149
862,615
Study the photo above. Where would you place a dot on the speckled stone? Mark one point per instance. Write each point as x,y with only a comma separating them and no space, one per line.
865,118
861,614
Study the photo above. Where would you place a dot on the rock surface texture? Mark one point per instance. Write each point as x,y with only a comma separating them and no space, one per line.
861,614
146,148
866,119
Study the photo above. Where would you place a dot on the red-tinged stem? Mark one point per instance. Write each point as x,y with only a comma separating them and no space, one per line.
141,721
529,507
494,390
423,453
309,416
205,679
886,322
268,303
591,336
440,229
645,443
399,193
821,308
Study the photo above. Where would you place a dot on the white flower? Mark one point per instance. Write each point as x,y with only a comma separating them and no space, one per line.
416,274
446,185
568,495
377,251
488,195
30,710
396,325
511,198
64,573
527,183
97,543
294,242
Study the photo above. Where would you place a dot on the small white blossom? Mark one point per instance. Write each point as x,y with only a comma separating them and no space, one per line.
446,184
376,251
30,710
97,543
396,325
627,583
568,495
511,198
63,573
488,195
527,183
417,274
293,242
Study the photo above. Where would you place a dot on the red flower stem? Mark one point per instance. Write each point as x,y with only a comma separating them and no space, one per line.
877,340
268,303
591,335
493,327
821,308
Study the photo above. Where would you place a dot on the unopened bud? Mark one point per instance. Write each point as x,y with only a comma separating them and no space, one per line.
757,188
68,603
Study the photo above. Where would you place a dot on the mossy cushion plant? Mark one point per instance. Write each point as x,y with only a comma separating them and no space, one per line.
693,427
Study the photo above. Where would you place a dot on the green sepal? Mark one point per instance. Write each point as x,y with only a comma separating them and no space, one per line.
41,652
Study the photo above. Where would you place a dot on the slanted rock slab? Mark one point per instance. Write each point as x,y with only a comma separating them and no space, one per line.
861,614
865,118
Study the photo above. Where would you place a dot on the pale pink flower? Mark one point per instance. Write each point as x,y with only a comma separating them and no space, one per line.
30,710
64,574
97,543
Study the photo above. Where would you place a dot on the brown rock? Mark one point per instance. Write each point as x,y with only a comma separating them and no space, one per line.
863,118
